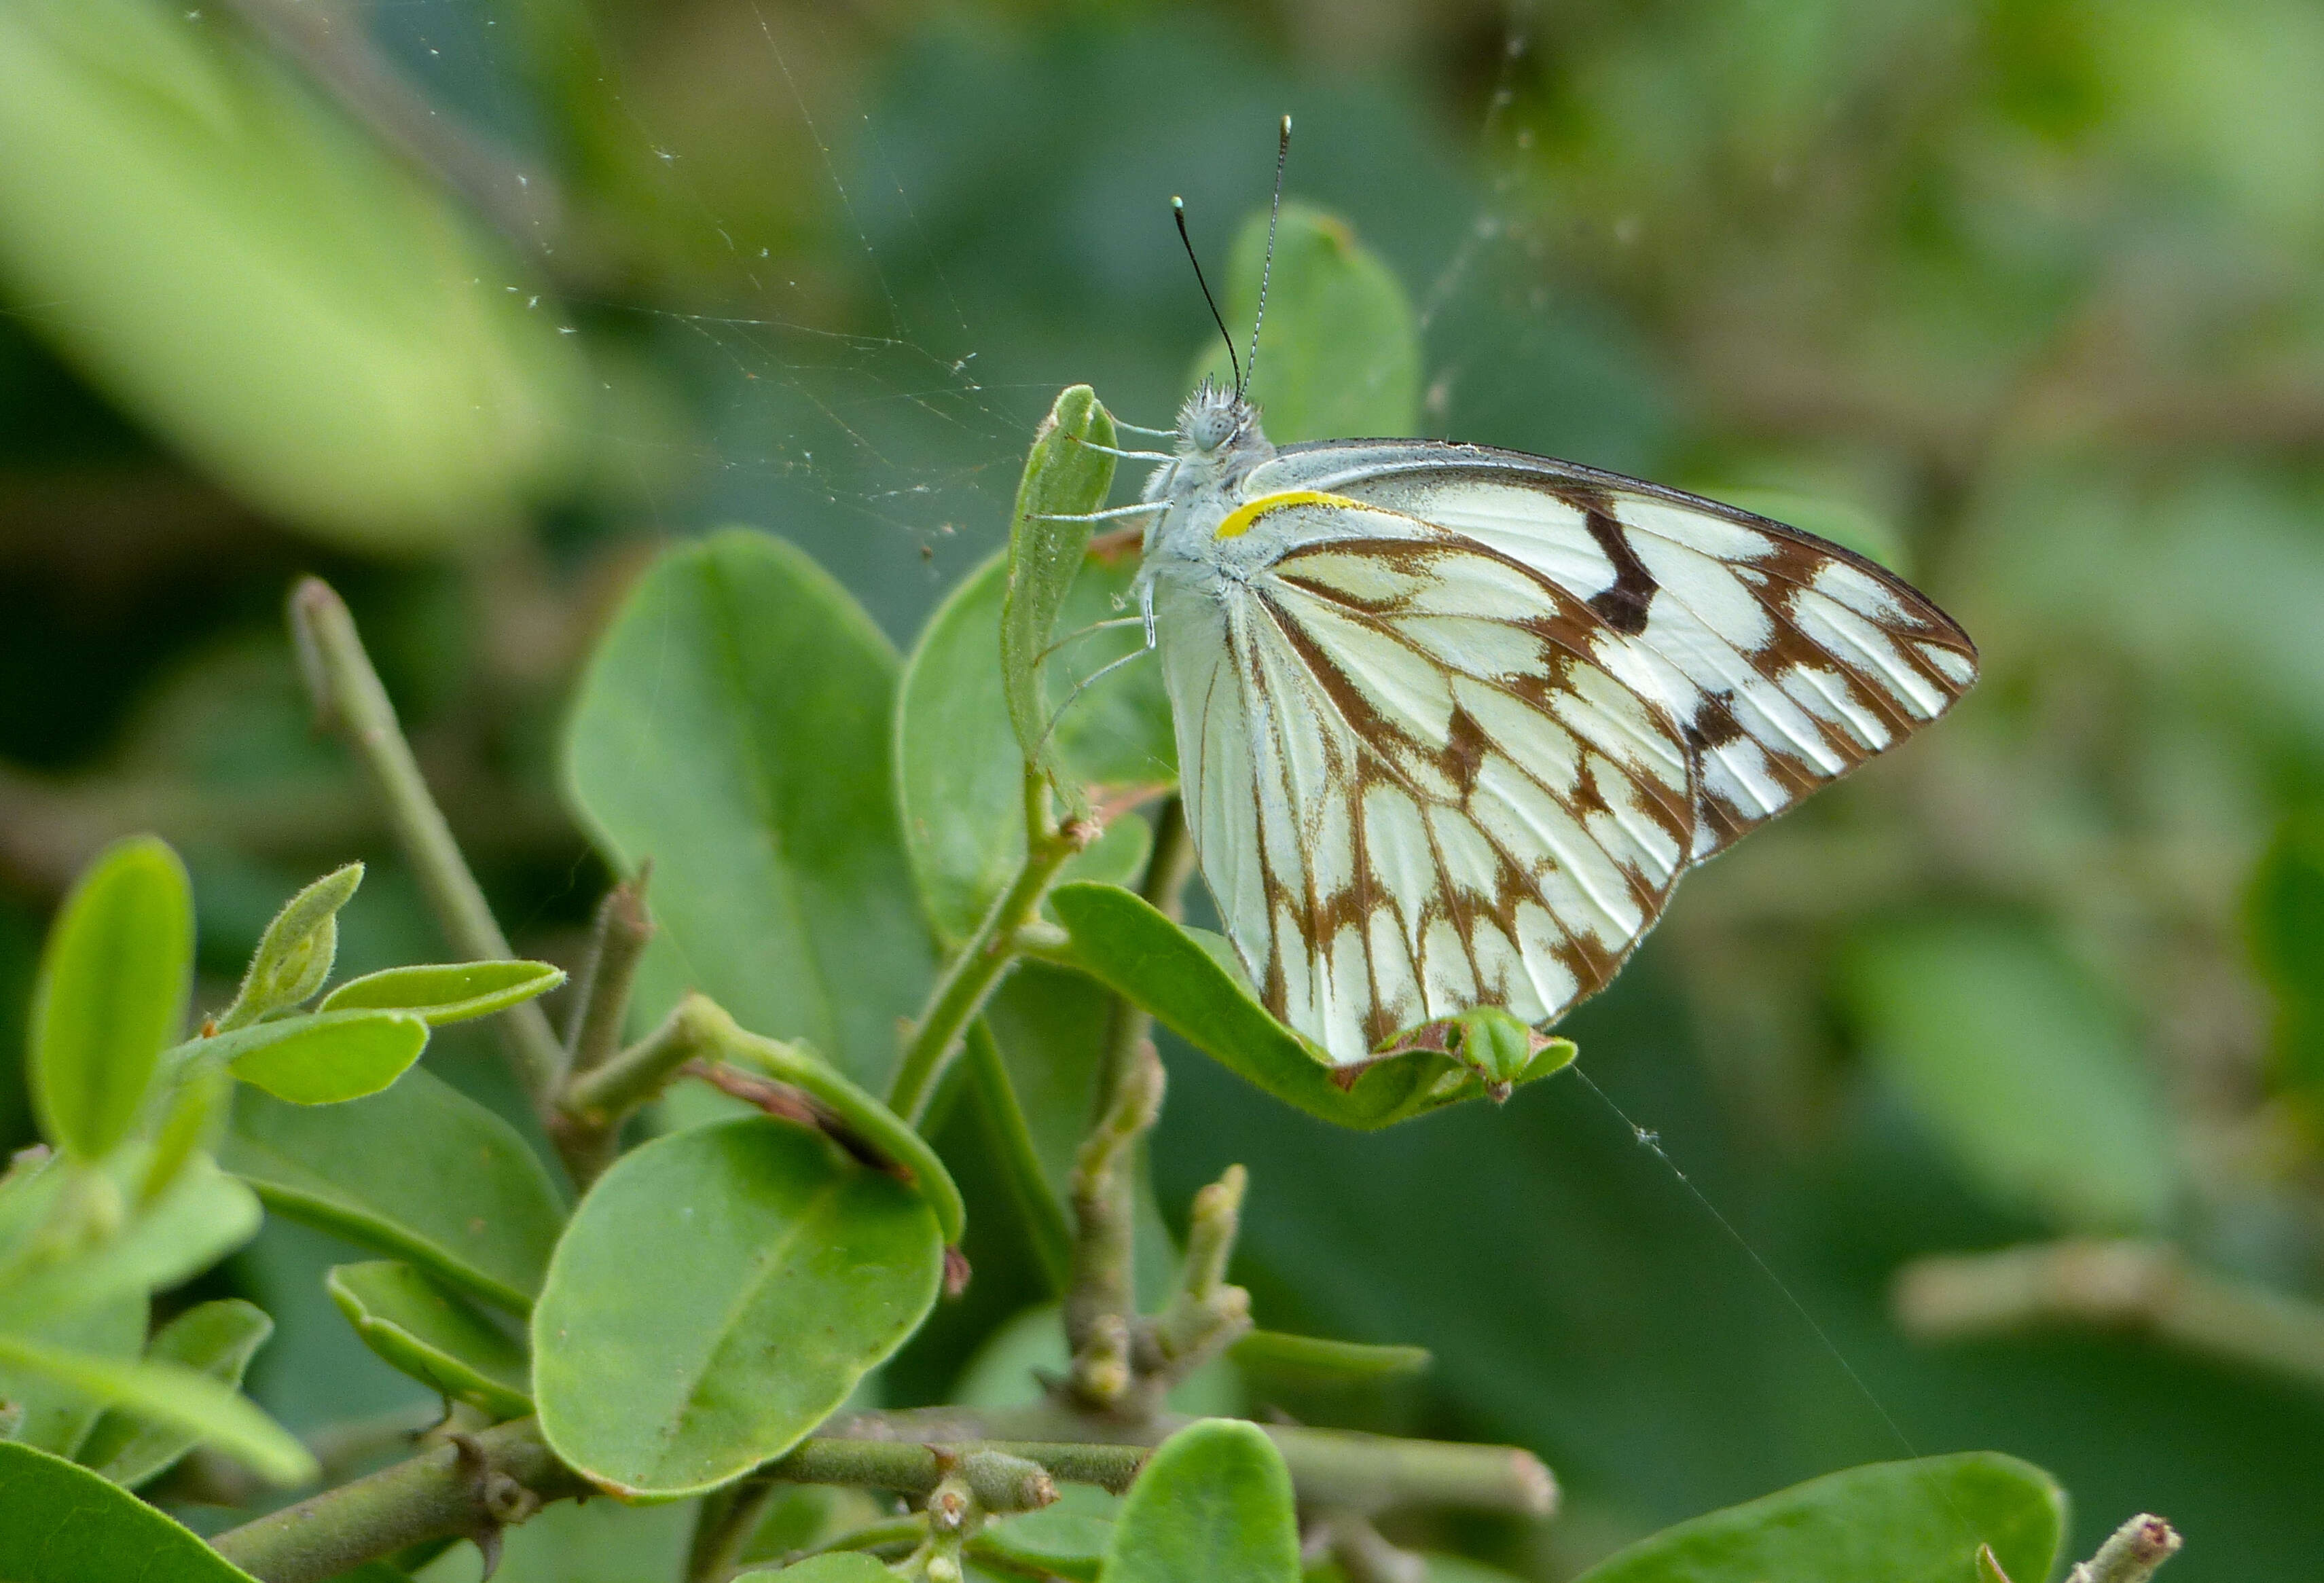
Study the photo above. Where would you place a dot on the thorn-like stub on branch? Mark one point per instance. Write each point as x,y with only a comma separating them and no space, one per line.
313,601
2132,1554
1004,1484
1102,1374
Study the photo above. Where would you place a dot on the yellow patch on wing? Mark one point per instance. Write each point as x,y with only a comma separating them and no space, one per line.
1244,517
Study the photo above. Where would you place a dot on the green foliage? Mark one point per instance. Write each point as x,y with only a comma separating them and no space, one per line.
1339,356
276,294
420,1172
838,1567
1188,979
60,1524
218,1338
733,726
651,1358
1337,1362
112,992
324,1058
1063,477
447,993
295,954
1056,1542
1213,1503
93,1251
170,1393
421,1329
1919,1522
2030,1077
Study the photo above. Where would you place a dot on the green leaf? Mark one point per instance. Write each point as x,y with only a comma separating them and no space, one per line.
735,726
216,1338
1214,1504
839,1566
171,1393
1062,476
1054,1543
193,1120
1339,358
202,1216
323,1057
446,993
1899,1522
56,1416
111,993
1185,980
434,1336
872,1122
295,953
63,1523
959,774
1315,1358
719,1293
280,297
2026,1072
420,1172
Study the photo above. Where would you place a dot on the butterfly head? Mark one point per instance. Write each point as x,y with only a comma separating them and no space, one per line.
1218,426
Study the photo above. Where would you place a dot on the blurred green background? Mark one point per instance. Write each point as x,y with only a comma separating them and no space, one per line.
473,305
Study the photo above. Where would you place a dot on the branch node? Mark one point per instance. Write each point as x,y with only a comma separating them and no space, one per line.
2132,1554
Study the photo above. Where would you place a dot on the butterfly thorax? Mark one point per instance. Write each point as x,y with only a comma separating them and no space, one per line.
1219,444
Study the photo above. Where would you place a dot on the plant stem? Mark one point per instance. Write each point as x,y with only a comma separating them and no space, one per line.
601,1001
2135,1552
2141,1286
604,1099
1045,1217
961,993
349,699
723,1526
1100,1305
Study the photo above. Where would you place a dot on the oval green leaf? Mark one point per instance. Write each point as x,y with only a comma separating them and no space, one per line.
1063,477
435,1336
1050,1543
839,1566
451,991
719,1293
1187,980
2026,1072
203,1216
959,774
111,993
217,1338
1214,1503
171,1393
420,1172
1918,1521
1339,354
327,1057
61,1523
733,726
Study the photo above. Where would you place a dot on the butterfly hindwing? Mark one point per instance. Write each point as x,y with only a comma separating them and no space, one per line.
1786,661
1414,787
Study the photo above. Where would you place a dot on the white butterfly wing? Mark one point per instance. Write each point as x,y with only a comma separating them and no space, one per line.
1413,788
1786,661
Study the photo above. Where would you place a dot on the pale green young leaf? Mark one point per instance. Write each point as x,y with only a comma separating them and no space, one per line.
111,993
656,1366
446,992
1063,477
1213,1503
171,1393
108,1535
1919,1521
433,1334
327,1057
295,953
959,774
50,1413
734,727
420,1172
218,1338
1339,358
203,1216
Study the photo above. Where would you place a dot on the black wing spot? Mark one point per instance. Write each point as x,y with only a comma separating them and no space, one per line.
1622,607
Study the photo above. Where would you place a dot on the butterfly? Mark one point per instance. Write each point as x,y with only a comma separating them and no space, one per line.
1452,720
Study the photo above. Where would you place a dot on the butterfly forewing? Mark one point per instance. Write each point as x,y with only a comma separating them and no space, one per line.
1786,661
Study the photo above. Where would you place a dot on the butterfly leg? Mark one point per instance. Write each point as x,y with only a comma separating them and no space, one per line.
1132,455
1111,514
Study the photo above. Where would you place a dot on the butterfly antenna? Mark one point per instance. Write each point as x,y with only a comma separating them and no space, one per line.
1282,153
1178,212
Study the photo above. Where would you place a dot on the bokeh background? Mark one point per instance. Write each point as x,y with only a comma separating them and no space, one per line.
472,306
